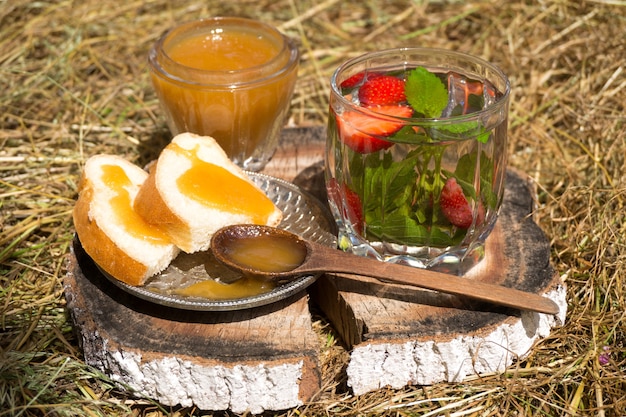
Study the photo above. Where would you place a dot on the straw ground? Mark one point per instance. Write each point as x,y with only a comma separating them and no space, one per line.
73,83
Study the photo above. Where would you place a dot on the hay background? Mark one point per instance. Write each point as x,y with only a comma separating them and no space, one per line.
73,83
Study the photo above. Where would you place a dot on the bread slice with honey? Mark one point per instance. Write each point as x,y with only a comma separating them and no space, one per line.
120,241
194,189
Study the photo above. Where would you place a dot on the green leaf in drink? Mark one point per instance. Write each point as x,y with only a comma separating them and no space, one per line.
426,93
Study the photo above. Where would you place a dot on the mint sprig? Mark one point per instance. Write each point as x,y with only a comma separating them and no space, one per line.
426,93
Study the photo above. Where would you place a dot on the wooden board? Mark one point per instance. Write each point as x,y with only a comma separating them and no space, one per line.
300,157
400,335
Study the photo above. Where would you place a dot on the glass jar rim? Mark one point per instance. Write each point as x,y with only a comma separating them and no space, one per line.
170,69
423,121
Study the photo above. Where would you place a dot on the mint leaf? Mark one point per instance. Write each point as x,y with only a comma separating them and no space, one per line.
483,137
409,135
398,227
387,184
426,93
462,130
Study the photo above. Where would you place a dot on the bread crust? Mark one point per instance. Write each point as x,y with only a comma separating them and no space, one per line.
150,205
189,229
104,252
104,234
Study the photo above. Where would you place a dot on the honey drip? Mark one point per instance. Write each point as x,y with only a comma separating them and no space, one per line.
216,187
117,180
214,290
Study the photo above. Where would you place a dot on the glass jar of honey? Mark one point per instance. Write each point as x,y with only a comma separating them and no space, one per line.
230,78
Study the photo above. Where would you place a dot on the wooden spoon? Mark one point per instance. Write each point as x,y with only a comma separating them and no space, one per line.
279,255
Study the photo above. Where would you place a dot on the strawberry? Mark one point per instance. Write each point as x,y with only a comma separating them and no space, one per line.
348,201
455,206
358,78
382,90
361,132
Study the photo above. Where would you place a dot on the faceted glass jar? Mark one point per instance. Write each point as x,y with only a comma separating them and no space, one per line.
408,186
229,78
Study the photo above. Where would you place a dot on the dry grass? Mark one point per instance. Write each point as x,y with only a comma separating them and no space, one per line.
73,83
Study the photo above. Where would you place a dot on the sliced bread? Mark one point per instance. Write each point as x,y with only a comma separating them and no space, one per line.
121,242
194,189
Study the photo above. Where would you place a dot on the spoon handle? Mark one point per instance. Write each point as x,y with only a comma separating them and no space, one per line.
333,260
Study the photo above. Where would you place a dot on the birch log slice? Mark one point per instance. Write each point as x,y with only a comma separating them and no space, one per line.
400,336
264,358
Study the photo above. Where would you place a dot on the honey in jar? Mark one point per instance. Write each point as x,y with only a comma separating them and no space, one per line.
229,78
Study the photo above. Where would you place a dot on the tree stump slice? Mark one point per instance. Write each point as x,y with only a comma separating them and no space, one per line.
402,336
399,335
263,358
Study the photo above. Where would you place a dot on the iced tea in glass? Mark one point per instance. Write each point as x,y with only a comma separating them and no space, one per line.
416,156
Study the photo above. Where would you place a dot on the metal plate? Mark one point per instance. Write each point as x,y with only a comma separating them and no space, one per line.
303,215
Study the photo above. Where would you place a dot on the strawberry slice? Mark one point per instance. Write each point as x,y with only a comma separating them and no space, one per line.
455,206
362,132
358,78
348,201
382,90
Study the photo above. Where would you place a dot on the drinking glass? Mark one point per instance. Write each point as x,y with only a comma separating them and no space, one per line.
416,156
